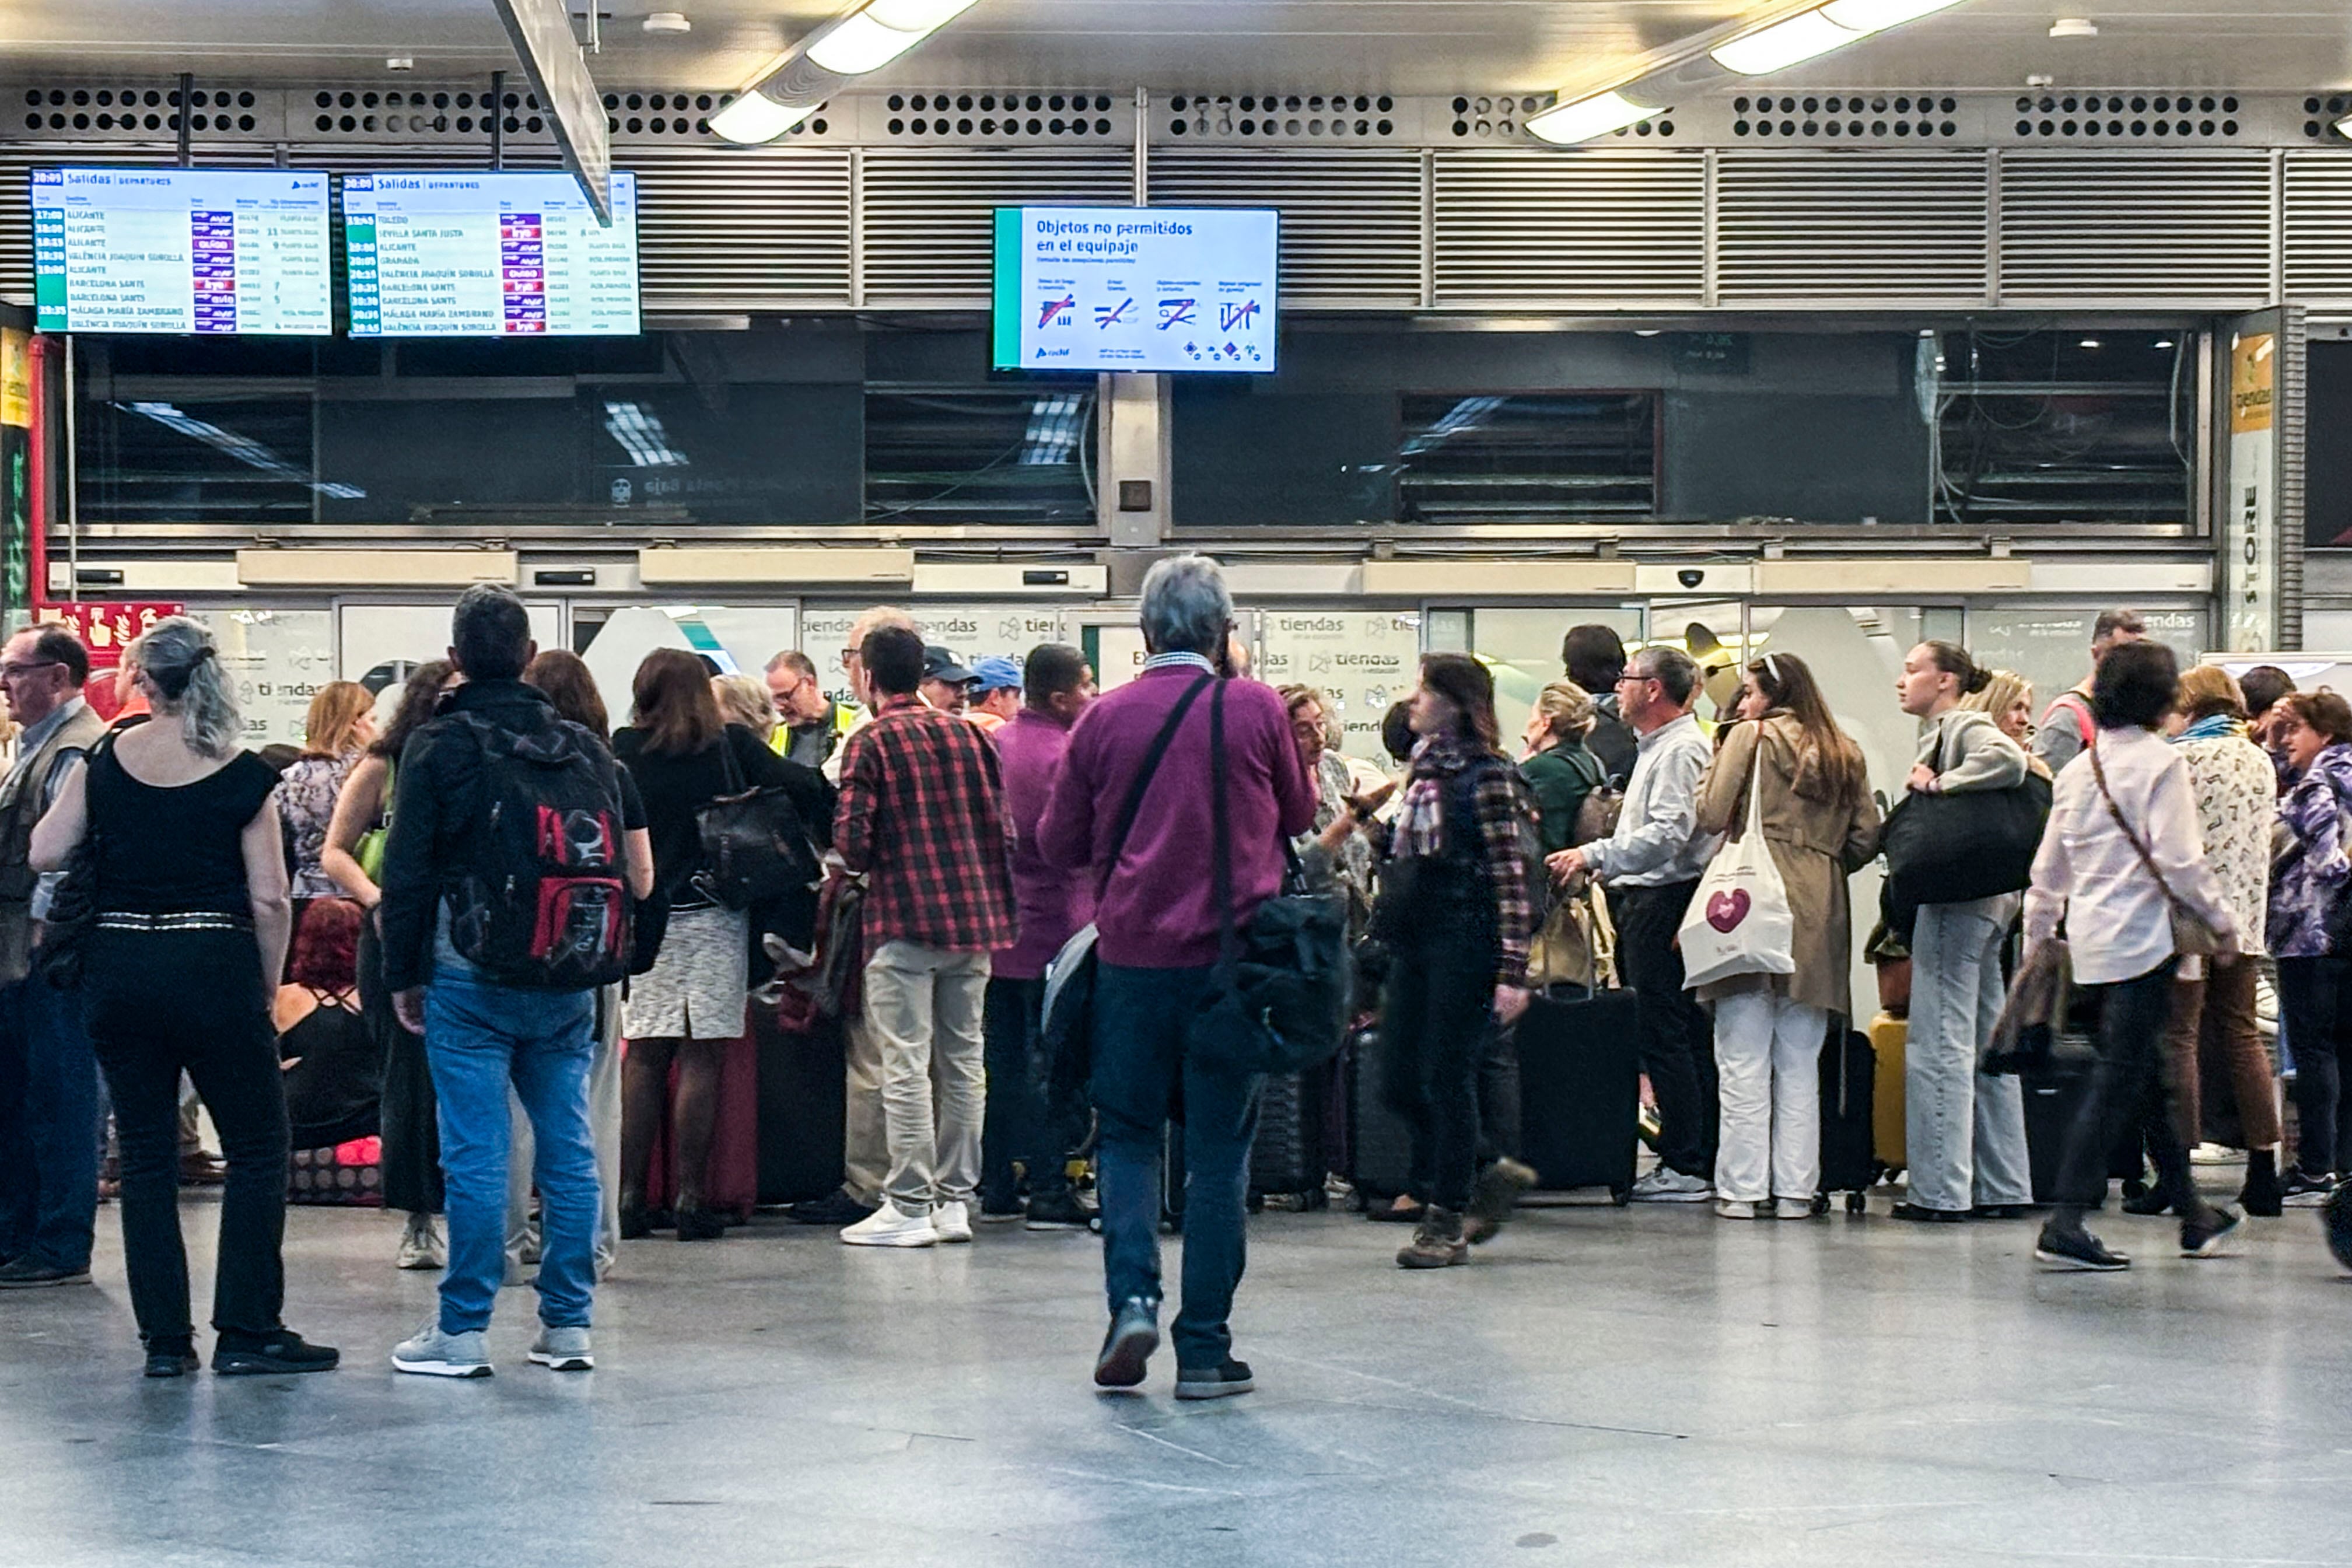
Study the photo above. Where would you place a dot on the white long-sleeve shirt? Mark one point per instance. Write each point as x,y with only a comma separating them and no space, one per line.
2118,922
1657,842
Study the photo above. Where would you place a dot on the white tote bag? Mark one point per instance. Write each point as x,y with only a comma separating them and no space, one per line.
1739,922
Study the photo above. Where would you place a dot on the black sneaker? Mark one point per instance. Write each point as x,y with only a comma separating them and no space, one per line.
284,1350
836,1208
171,1361
1213,1382
2001,1211
2302,1190
1920,1213
2202,1233
1127,1348
2077,1248
2155,1200
32,1274
1059,1212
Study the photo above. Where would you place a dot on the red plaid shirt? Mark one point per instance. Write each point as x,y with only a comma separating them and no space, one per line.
922,812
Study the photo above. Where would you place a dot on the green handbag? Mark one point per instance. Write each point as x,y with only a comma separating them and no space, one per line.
369,851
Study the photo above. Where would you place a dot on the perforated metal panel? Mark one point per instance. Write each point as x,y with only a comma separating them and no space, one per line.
1351,222
2136,226
1545,229
2318,226
925,215
1827,226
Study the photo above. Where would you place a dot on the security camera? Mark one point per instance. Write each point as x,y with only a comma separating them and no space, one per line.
1690,576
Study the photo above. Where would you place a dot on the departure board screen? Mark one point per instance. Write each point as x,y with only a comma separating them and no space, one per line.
1135,288
489,254
181,250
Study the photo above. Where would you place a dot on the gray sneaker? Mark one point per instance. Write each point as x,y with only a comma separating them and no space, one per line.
1667,1186
563,1350
432,1353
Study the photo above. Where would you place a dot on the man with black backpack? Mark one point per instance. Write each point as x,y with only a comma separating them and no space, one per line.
505,904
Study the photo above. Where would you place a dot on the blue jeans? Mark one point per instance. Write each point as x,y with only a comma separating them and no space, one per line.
1140,1069
48,1126
479,1038
1022,1123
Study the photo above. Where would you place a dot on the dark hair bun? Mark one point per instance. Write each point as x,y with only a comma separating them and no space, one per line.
1979,677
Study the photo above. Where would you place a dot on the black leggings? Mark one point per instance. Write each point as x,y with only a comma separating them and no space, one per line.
2132,1015
158,1003
1433,1027
2312,994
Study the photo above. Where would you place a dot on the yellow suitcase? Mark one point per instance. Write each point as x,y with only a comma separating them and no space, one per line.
1887,1035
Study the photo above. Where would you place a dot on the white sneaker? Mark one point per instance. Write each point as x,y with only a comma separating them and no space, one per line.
890,1226
422,1244
1667,1186
435,1354
1793,1208
952,1221
2213,1154
1741,1208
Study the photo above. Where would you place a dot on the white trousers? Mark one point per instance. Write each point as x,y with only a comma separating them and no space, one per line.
1767,1054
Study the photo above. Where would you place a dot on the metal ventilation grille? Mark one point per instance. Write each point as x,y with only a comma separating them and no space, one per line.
1545,228
2318,227
926,215
744,231
1850,226
2123,226
1351,222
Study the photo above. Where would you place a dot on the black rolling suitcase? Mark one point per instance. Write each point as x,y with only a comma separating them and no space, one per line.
803,1102
1379,1156
1580,1089
2053,1096
1287,1162
1849,1083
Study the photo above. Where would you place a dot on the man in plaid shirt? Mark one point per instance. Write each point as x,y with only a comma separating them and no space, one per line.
921,814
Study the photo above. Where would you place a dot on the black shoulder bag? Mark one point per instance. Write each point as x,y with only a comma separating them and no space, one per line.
1069,1000
73,907
1278,1001
755,847
1953,848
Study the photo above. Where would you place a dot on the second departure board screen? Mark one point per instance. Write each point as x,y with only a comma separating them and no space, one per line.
489,254
181,250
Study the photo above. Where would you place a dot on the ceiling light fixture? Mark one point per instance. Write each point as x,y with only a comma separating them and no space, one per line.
1806,35
1587,118
865,39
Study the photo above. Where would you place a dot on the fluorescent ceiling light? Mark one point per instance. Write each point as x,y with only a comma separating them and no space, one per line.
1875,15
918,15
860,44
1784,44
1587,118
755,118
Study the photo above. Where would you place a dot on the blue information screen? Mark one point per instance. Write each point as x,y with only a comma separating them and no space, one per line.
489,254
181,250
1135,288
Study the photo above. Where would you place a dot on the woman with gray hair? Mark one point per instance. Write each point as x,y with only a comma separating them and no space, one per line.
186,872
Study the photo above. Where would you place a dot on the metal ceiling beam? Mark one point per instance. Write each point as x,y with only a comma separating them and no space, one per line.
552,58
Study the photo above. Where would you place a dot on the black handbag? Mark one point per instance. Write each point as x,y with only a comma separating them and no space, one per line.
1278,1002
1953,848
73,905
755,847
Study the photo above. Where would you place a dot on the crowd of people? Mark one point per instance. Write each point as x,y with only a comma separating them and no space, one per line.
519,948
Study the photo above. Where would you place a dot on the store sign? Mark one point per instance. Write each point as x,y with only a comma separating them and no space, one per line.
275,661
2248,521
106,627
969,631
1360,660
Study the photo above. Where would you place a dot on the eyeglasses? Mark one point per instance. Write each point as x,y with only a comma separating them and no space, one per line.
8,671
1635,679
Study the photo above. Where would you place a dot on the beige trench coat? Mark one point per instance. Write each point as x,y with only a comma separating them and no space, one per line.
1815,845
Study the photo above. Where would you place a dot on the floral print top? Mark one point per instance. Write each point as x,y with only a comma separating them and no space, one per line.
2237,801
306,801
2311,877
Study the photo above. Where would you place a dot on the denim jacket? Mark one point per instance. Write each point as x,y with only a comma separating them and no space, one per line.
2312,877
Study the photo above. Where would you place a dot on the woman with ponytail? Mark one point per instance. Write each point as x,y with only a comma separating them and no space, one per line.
1964,1132
186,873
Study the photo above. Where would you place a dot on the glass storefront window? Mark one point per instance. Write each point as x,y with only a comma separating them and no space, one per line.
986,455
145,459
1527,457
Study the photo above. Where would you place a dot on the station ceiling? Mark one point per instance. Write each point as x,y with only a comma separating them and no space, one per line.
1403,46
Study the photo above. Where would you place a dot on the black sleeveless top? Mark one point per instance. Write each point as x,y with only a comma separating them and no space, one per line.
174,849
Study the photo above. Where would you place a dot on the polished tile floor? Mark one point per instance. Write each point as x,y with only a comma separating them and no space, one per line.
1650,1386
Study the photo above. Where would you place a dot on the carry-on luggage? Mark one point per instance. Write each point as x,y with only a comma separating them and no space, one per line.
1888,1035
2053,1095
1849,1117
1287,1161
1379,1143
803,1103
1580,1089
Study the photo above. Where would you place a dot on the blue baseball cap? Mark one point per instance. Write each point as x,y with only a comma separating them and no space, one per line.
995,672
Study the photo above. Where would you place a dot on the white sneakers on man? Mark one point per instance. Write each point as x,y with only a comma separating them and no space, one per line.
952,1221
890,1226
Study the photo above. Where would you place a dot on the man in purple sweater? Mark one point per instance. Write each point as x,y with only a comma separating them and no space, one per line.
1022,1123
1159,928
